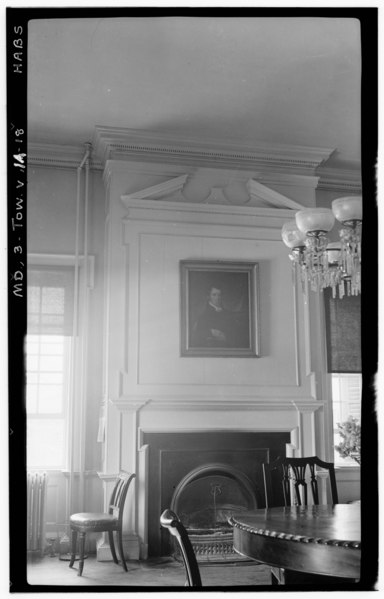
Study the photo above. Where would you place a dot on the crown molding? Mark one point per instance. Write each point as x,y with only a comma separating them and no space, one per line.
291,164
59,156
340,179
113,143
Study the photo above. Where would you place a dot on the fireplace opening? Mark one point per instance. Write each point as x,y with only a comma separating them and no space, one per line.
178,461
204,500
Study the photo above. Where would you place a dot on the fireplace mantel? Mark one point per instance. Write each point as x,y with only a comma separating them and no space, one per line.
149,386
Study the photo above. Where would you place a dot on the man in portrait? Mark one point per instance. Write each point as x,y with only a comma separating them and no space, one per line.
217,326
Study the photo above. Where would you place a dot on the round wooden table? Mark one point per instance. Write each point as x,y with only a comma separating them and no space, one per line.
319,539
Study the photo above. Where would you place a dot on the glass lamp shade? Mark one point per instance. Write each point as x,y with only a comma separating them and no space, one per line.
333,252
348,208
291,235
315,219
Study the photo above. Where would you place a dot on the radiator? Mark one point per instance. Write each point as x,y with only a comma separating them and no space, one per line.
36,494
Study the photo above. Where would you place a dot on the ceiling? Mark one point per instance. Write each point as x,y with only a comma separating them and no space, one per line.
275,80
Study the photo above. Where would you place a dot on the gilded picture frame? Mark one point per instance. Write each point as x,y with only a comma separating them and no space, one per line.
219,312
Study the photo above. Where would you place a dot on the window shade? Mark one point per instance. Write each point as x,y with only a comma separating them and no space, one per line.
50,300
343,332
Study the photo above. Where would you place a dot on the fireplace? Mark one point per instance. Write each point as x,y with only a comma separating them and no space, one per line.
204,500
205,477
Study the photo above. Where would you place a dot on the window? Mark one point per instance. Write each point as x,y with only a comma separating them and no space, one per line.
48,357
346,399
48,375
343,337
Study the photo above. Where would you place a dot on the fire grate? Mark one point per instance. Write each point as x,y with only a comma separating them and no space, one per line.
204,501
211,547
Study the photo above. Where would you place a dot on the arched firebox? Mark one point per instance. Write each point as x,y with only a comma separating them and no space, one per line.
204,500
182,468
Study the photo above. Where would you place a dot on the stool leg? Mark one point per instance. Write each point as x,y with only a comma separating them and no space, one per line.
121,550
73,547
81,552
112,546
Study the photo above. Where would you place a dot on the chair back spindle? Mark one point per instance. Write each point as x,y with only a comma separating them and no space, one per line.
119,494
292,475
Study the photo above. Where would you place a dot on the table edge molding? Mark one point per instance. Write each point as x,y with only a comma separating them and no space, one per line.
265,532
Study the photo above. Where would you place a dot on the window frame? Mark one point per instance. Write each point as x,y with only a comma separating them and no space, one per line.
73,440
339,461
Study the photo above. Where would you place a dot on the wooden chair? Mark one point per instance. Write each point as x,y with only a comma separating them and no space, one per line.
102,522
283,473
170,520
289,474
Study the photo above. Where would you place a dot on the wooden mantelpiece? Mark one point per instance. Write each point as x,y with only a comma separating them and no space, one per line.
157,214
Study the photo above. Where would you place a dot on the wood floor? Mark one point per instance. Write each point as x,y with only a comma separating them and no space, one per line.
159,572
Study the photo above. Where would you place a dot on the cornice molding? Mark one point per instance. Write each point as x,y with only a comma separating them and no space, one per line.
340,179
152,146
148,148
58,156
302,165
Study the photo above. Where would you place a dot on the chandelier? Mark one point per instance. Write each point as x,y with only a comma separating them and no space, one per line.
320,263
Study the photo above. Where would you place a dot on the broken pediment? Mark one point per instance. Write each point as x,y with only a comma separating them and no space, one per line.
261,195
170,190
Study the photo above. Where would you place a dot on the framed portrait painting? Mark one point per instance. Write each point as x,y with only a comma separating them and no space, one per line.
219,309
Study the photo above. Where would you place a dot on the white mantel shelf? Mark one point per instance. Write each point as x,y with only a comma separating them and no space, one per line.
201,405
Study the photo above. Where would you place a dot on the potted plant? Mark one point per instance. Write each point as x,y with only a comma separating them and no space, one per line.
350,433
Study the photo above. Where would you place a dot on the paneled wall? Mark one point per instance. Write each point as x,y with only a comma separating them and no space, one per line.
144,218
149,385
